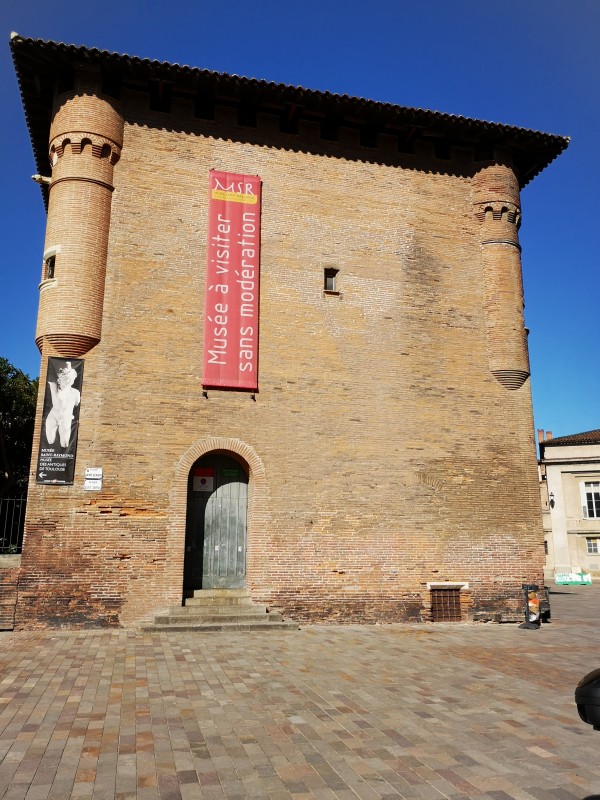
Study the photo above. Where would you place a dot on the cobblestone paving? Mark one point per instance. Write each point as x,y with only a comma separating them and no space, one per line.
468,712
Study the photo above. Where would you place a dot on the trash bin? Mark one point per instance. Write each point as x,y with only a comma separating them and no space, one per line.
545,610
531,606
587,697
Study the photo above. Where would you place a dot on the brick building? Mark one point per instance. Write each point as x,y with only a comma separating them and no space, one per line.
357,479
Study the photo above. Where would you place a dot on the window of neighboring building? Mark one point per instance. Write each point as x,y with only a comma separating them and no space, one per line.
593,546
590,499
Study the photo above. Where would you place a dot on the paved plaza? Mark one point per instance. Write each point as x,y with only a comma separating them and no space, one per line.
468,712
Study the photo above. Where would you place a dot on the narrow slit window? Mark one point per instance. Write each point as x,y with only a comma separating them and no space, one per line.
330,279
50,263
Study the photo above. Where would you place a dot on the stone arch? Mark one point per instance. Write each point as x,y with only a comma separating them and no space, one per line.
256,526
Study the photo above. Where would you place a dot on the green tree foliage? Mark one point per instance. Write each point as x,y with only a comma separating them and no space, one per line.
18,397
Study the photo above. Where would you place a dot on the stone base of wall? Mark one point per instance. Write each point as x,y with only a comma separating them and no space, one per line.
337,611
498,609
58,601
411,607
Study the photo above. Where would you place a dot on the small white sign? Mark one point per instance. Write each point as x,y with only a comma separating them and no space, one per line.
201,483
91,485
93,472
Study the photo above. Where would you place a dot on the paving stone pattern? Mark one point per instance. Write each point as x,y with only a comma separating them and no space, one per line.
401,711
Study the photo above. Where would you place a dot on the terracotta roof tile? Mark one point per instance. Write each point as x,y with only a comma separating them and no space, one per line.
588,437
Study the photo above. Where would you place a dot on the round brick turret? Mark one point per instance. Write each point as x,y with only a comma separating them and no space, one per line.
496,202
86,137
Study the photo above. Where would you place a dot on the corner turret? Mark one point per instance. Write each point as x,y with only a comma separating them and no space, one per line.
86,137
496,202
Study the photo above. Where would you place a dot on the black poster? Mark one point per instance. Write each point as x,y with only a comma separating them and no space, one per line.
60,421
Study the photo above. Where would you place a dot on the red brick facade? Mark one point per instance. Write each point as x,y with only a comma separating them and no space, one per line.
372,472
9,581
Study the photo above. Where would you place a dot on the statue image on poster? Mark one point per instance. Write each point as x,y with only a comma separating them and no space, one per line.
60,421
64,399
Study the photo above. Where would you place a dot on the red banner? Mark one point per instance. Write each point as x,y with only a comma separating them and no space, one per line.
232,282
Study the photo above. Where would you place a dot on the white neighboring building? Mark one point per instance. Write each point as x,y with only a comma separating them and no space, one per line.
570,485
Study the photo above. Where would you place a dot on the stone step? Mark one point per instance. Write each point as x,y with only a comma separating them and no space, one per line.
284,625
219,597
225,593
219,610
218,601
176,619
236,608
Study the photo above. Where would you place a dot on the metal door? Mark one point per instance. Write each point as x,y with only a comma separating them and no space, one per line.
216,524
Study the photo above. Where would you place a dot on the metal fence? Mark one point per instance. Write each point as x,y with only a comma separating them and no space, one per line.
12,522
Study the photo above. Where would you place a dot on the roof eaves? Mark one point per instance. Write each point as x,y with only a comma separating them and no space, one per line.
551,145
587,437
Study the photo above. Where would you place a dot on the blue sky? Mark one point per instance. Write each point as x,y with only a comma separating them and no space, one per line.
531,63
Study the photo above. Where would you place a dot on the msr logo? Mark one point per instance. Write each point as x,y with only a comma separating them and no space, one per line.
237,187
233,188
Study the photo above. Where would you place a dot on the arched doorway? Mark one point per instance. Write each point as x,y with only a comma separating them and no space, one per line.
215,536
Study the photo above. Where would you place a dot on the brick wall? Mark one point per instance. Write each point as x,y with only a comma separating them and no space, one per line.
9,583
383,452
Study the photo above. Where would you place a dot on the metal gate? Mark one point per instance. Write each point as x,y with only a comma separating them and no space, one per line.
12,523
215,546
